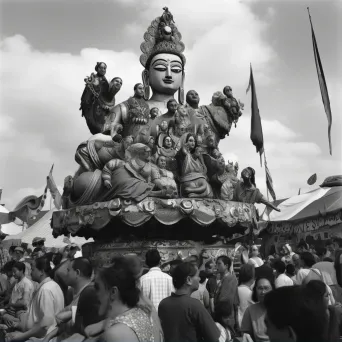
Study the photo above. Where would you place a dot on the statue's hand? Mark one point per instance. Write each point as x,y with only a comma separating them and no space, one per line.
277,209
108,184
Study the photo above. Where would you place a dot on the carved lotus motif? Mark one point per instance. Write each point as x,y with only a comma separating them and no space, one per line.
186,207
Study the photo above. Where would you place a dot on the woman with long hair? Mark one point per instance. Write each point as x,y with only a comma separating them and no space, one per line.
253,321
118,295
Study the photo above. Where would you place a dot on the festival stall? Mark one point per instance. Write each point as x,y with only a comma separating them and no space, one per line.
314,216
42,229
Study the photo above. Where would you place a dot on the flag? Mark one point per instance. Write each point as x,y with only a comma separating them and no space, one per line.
256,128
322,83
269,182
57,198
312,179
29,207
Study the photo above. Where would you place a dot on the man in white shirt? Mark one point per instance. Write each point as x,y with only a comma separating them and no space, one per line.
46,303
282,279
155,284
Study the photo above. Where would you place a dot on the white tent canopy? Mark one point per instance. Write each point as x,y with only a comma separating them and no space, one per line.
43,229
10,228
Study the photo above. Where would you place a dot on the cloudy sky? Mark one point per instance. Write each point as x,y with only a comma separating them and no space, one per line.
48,47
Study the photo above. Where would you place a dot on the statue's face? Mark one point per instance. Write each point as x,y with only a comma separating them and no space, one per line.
139,91
165,73
145,155
117,83
192,97
182,111
127,142
172,107
246,174
101,70
162,162
211,141
191,142
154,113
168,142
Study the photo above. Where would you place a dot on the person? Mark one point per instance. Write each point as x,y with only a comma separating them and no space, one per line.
288,254
281,278
296,262
20,256
37,253
155,285
46,302
184,318
11,281
307,260
246,282
294,313
253,321
118,296
226,290
39,242
202,293
291,272
79,272
222,314
254,257
21,294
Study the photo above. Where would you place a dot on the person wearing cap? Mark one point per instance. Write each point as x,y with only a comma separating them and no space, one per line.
39,242
19,253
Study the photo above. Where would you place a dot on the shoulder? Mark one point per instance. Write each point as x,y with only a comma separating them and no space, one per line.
120,332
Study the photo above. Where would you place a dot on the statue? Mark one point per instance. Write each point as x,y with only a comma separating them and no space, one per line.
192,99
154,112
167,151
229,182
231,105
136,121
95,154
211,147
165,119
247,192
132,180
163,178
98,98
193,178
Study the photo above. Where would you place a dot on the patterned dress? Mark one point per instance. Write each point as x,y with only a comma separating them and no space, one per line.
139,321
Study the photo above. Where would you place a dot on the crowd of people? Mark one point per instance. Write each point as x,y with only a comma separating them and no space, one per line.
57,296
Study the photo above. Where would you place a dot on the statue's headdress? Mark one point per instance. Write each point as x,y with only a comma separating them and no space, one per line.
162,36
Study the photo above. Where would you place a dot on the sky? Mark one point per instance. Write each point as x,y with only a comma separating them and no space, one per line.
48,47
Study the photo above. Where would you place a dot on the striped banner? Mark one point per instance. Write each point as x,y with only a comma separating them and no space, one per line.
269,182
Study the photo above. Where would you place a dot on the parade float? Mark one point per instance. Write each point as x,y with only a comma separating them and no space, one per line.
152,174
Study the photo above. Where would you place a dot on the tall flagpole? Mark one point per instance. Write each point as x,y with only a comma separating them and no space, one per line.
266,175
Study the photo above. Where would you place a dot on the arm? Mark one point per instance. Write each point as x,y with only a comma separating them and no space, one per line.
246,324
206,325
263,200
206,300
120,333
95,329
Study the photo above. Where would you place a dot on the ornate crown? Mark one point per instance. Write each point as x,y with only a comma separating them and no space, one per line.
162,36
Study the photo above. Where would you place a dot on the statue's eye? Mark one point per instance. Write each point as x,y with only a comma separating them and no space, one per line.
176,69
160,67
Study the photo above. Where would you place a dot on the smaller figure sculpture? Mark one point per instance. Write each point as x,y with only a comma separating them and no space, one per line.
172,106
166,150
163,178
230,181
154,112
132,180
163,128
247,192
211,147
137,115
98,98
231,105
192,99
95,154
193,180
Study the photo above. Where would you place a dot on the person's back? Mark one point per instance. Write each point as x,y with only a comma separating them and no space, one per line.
155,284
184,318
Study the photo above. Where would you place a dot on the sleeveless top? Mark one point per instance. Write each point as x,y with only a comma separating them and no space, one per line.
139,321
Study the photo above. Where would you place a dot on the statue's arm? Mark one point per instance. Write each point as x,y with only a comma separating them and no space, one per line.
263,200
118,116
